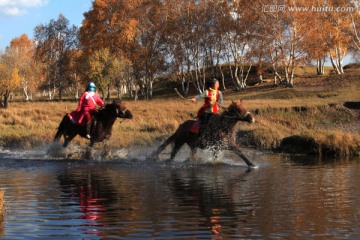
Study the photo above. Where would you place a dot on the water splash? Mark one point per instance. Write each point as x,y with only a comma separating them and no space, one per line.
56,150
131,155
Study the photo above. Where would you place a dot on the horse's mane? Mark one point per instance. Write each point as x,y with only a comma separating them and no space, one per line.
233,106
224,120
111,107
106,109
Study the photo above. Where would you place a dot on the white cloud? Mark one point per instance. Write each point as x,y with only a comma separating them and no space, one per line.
19,7
12,11
23,3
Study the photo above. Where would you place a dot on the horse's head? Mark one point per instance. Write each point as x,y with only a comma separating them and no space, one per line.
237,110
119,109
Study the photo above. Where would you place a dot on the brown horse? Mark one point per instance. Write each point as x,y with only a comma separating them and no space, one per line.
219,134
101,124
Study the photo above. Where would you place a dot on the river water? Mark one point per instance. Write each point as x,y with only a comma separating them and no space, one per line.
286,197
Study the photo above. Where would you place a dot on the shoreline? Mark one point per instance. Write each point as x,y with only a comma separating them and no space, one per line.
323,130
319,116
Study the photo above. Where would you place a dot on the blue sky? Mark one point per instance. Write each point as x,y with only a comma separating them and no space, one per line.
22,16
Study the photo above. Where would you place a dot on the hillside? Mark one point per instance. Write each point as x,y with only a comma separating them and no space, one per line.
319,115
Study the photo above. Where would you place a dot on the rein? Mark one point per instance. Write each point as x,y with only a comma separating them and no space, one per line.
222,107
122,111
237,116
119,110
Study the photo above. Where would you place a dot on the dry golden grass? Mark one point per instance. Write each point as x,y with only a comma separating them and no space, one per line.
310,110
27,125
320,123
279,113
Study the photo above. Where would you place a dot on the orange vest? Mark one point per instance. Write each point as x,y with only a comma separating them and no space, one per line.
209,102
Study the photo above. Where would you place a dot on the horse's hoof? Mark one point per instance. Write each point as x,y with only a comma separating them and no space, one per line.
253,166
152,158
168,162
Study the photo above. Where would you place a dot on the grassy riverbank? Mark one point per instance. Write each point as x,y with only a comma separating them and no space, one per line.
320,115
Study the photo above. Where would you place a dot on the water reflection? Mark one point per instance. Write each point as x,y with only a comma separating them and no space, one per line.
89,190
288,198
313,161
213,194
140,202
2,212
313,198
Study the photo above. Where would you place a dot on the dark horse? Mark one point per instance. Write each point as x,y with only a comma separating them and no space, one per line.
219,133
101,124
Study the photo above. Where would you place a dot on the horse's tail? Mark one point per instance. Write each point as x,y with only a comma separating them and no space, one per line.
60,130
155,155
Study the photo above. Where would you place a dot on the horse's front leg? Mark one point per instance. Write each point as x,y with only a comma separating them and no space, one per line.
68,138
216,154
106,150
154,156
234,147
192,156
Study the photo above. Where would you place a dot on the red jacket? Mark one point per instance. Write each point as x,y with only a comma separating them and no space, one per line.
86,108
88,102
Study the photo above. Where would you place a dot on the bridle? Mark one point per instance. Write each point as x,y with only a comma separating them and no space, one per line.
237,114
243,117
122,111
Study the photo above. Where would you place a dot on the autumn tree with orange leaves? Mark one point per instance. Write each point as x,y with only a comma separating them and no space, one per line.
127,45
56,48
18,70
9,75
29,69
190,40
130,30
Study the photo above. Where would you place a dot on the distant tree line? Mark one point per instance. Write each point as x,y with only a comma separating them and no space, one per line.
125,45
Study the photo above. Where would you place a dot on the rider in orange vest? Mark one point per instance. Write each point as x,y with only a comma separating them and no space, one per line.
212,97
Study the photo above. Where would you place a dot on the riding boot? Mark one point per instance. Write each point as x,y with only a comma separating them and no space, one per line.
88,129
203,121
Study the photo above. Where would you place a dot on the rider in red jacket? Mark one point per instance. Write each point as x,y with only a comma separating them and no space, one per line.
87,107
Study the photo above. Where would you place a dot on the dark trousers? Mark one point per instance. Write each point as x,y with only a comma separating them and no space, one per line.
204,119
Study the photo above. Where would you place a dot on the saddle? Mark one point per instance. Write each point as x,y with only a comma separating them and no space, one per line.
195,127
79,118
